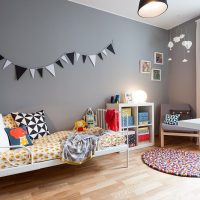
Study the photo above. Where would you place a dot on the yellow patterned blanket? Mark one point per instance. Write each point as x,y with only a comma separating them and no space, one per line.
46,148
50,148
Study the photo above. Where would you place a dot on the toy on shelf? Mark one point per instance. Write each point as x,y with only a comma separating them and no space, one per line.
117,98
89,118
80,126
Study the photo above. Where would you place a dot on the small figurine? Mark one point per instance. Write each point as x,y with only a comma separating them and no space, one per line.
90,118
79,126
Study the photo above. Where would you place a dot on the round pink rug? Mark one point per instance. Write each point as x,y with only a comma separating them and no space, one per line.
176,162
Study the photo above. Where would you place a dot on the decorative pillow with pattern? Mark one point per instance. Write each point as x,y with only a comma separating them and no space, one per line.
184,114
34,122
18,136
9,122
171,119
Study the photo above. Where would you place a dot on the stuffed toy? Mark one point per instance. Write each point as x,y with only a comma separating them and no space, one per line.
90,118
79,126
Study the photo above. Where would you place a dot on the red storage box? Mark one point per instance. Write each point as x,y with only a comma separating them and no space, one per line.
143,137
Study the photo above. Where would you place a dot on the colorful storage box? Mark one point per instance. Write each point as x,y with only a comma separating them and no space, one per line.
124,121
143,134
143,116
144,137
131,139
143,130
127,111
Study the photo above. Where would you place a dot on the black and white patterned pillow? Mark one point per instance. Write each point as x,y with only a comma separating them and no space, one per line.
171,119
35,123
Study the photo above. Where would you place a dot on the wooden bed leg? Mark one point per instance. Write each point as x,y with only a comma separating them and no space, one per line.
162,138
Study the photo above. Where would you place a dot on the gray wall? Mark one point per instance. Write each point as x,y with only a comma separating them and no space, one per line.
182,76
35,33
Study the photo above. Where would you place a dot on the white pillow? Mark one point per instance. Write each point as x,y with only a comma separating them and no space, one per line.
4,141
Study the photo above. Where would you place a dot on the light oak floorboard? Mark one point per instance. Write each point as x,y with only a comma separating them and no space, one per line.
104,178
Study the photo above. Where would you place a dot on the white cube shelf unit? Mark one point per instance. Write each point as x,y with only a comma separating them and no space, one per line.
136,108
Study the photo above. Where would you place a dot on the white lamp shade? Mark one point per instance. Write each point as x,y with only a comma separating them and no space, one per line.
139,96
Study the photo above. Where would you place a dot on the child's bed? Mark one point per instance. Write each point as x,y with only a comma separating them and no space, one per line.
46,152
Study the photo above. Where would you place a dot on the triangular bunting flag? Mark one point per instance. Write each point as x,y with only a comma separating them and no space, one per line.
40,71
71,57
51,69
110,48
100,56
1,57
59,63
7,63
19,71
84,58
32,71
77,56
64,58
104,52
93,59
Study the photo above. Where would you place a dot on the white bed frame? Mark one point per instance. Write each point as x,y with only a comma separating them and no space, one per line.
100,114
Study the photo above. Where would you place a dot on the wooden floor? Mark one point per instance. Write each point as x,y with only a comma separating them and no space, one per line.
103,178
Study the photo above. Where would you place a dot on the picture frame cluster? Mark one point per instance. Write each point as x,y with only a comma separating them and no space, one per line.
146,67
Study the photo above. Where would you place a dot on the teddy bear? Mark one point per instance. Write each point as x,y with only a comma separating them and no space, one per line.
80,126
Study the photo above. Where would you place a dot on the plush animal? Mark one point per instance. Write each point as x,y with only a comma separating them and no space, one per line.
90,118
79,126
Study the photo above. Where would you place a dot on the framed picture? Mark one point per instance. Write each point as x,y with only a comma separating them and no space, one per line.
156,75
145,66
128,97
158,58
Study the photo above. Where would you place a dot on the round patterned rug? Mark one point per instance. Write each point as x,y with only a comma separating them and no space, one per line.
171,161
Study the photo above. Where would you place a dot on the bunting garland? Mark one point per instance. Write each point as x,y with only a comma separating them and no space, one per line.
1,57
77,56
84,58
40,71
93,59
100,56
64,58
71,57
110,48
51,69
32,71
59,63
19,71
104,52
7,63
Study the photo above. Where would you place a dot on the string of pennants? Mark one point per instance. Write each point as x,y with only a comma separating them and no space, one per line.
67,58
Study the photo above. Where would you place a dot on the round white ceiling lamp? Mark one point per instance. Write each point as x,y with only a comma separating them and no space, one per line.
152,8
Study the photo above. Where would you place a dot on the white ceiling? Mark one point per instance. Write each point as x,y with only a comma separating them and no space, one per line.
179,11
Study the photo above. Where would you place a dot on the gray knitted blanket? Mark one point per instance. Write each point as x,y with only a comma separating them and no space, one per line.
78,148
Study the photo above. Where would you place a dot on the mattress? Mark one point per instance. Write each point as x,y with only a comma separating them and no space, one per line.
43,149
49,148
